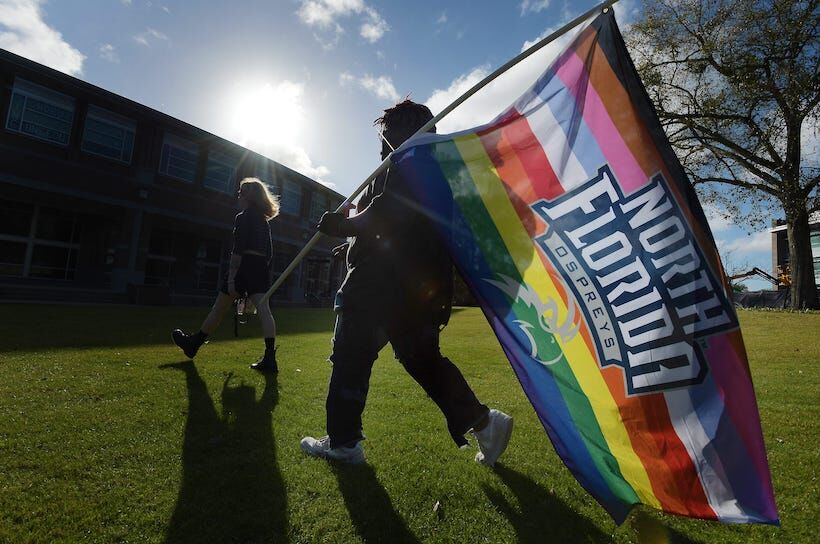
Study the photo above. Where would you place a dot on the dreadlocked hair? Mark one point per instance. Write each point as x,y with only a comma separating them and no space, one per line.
403,120
404,114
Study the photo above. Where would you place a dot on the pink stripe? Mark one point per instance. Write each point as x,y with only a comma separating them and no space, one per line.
573,74
731,375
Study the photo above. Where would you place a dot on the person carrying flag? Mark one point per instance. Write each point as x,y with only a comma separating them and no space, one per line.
398,289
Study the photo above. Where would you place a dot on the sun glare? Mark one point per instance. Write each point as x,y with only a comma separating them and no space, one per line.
269,115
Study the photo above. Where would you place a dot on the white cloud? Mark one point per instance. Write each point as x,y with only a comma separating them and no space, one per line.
108,52
381,86
375,27
297,158
496,97
718,220
150,36
126,2
467,115
626,12
325,15
533,6
346,78
748,243
24,32
809,142
442,18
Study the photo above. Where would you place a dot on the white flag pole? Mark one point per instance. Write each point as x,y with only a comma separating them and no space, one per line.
456,103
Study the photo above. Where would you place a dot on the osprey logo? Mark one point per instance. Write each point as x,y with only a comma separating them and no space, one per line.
538,320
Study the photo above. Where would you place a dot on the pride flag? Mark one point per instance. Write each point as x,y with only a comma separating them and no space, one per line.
575,227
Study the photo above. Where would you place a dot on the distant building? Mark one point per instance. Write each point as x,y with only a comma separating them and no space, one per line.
780,247
103,199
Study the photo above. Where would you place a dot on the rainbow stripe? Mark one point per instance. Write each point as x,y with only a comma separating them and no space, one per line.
631,433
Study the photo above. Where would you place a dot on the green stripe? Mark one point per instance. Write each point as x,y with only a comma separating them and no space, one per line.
494,251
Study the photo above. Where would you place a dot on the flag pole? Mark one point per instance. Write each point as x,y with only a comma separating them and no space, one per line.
432,122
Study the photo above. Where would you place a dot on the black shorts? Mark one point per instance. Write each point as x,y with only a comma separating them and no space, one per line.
251,278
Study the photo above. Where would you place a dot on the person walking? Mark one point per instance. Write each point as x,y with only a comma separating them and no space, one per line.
398,289
247,275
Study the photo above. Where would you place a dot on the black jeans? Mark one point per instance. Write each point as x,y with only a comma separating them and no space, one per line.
357,339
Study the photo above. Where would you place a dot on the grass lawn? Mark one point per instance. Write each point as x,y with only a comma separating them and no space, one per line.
107,434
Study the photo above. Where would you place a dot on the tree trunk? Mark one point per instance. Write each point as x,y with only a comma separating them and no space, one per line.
803,288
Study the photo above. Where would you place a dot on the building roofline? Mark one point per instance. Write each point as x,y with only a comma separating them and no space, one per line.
13,58
814,219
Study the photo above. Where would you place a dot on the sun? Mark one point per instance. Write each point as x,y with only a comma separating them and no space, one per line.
269,115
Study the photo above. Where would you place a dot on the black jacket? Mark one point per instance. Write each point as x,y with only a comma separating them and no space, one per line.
397,258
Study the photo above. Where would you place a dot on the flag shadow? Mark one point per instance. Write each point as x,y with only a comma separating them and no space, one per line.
232,489
540,516
369,505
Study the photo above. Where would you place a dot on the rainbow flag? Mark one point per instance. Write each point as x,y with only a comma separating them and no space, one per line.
575,227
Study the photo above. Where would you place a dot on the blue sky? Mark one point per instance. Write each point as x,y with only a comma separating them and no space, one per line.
332,65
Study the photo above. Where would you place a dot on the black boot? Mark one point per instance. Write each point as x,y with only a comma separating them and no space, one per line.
268,362
188,343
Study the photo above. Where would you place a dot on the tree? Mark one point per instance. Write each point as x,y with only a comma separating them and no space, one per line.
735,84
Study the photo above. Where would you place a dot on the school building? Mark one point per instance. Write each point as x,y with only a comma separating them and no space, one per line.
103,199
780,246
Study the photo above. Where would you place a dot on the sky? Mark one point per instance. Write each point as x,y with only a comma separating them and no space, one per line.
301,81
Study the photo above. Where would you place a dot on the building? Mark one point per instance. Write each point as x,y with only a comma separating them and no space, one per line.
780,246
103,199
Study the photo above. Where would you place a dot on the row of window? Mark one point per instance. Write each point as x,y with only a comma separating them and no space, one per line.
48,115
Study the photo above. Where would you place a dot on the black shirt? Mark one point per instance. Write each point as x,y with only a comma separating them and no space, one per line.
251,233
397,257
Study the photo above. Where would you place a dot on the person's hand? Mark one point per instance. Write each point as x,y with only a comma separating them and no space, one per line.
232,289
335,224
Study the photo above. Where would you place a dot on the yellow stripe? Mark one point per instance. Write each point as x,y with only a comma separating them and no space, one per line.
581,360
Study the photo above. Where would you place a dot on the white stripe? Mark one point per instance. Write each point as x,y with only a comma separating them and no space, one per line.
712,478
551,136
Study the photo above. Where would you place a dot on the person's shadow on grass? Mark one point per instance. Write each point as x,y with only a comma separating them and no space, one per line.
232,489
369,505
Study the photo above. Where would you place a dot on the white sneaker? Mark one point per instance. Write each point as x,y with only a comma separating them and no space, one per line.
493,439
320,447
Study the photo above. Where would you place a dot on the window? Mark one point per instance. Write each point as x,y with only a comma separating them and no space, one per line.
179,158
291,200
55,262
283,254
12,258
815,251
159,263
37,241
40,112
15,218
318,206
220,172
109,135
208,257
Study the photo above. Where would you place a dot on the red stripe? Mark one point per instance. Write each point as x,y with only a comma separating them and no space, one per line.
517,131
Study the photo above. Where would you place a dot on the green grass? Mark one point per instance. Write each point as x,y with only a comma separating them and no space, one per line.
108,435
